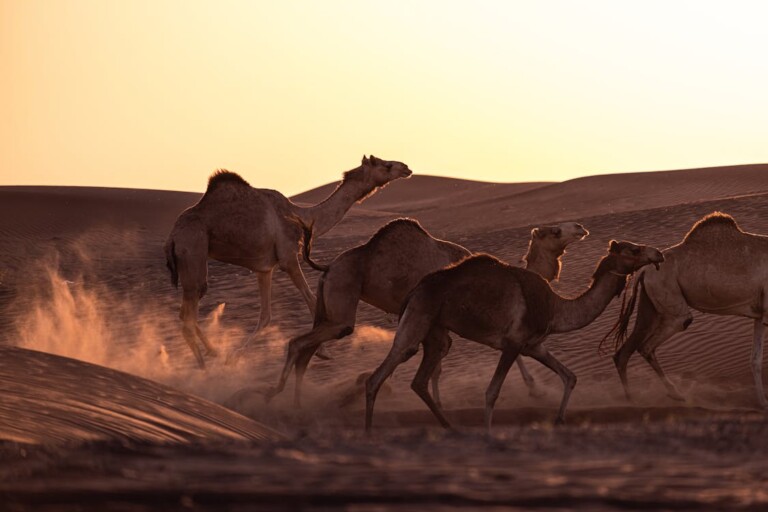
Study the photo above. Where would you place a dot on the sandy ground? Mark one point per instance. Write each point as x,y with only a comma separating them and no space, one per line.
82,275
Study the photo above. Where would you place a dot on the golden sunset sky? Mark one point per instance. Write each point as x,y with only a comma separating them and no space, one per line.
158,94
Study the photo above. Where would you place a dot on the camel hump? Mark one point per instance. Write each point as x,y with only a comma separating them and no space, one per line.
222,177
397,224
404,222
478,260
473,265
716,220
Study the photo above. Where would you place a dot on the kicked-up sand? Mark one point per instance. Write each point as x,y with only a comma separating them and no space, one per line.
102,407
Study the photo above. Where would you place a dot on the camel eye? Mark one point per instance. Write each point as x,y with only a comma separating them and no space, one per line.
636,251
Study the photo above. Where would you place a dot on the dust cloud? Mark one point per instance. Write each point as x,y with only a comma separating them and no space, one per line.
83,318
126,326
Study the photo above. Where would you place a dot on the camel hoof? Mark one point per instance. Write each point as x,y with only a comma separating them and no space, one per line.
559,422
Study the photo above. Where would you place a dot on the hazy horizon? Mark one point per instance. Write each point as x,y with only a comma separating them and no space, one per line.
158,95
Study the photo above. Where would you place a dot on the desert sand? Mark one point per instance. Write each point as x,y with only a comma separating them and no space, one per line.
101,404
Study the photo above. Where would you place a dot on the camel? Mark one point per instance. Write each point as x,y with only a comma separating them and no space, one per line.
717,269
383,273
383,270
256,229
504,307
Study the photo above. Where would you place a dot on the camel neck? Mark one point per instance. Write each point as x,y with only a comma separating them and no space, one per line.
572,314
323,216
546,264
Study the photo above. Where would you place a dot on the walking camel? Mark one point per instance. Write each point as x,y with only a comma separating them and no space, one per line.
504,307
250,227
717,269
382,271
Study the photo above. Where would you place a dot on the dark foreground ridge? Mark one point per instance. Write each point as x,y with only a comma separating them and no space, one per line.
674,464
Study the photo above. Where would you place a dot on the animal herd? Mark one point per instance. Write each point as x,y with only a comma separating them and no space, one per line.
439,287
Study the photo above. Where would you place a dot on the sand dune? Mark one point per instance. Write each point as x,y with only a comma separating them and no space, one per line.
595,195
105,246
50,399
421,192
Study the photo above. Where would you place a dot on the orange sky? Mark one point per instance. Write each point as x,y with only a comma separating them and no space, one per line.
158,94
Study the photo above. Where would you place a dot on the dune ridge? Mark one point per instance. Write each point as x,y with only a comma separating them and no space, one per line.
48,398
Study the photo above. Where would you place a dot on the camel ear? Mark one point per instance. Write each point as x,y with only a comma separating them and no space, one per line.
614,246
535,233
365,160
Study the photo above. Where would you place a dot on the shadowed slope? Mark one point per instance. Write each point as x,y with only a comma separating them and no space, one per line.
46,398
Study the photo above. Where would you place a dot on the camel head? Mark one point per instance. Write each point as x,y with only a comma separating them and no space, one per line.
628,257
556,238
381,172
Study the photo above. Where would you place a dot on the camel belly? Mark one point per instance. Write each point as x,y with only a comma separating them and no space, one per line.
389,294
718,300
254,258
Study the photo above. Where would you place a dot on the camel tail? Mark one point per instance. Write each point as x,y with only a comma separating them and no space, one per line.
320,311
621,328
308,232
406,300
170,262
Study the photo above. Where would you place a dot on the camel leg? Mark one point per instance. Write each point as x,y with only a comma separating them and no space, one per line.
192,265
337,302
530,383
622,356
647,323
757,362
433,353
508,355
293,269
265,300
374,382
541,354
209,349
189,329
669,326
303,347
301,368
445,347
672,391
265,311
330,332
413,329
